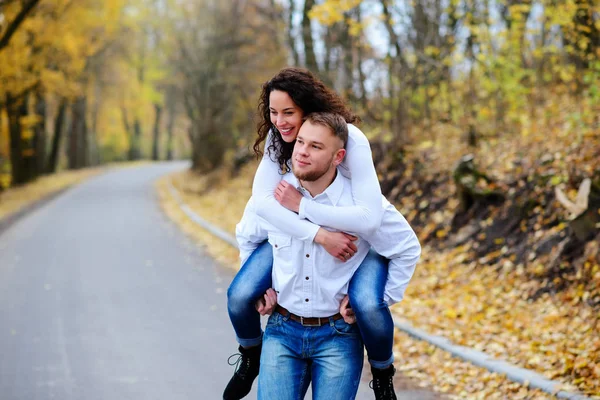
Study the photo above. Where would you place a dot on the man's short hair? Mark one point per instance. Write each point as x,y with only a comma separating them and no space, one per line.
335,122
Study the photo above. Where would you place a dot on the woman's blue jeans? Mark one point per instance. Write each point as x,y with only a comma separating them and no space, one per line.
366,298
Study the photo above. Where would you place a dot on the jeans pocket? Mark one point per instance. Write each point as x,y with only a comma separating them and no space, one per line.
340,327
274,320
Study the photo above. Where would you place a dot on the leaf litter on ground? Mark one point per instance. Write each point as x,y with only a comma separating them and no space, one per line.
490,293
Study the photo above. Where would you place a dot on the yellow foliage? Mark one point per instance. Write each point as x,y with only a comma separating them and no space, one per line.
332,11
355,27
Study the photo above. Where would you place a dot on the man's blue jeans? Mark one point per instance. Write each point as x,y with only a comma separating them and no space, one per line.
329,356
366,297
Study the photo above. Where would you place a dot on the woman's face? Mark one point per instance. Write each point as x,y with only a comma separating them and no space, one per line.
285,115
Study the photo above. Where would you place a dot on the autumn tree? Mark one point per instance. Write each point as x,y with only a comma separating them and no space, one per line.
48,59
222,59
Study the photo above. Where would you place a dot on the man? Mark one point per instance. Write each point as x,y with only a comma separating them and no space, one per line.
306,338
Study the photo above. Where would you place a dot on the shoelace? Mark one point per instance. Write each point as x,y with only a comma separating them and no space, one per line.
378,386
241,365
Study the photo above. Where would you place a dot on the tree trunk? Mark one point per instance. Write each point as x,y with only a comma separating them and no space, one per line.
397,64
156,132
328,76
3,160
93,149
40,137
397,106
208,147
129,132
95,156
309,51
170,125
291,39
361,74
471,102
58,133
78,154
347,43
22,153
134,146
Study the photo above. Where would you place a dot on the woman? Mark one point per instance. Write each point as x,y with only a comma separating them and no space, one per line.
285,100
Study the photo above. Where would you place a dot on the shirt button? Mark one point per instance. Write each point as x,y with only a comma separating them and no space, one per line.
308,255
306,300
275,246
307,278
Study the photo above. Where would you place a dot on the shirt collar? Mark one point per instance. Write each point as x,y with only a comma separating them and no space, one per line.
333,191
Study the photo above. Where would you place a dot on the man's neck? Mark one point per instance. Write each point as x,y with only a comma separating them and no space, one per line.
317,187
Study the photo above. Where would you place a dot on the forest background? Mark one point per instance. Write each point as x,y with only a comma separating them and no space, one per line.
483,115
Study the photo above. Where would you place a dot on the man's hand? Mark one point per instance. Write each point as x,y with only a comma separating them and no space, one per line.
347,311
266,305
338,244
288,196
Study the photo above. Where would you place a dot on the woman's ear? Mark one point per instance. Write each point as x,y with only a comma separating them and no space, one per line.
339,157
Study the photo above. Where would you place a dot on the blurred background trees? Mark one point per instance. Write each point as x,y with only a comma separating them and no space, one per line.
87,82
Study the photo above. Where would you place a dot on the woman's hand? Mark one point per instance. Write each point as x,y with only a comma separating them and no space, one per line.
338,244
266,305
288,196
347,311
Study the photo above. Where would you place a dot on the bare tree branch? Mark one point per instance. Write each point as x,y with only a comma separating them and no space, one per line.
12,28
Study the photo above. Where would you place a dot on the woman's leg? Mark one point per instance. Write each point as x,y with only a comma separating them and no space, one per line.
250,284
372,313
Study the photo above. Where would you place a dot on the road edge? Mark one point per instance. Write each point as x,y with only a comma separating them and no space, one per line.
9,220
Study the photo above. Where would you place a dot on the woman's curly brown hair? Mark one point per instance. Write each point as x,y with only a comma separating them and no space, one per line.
309,94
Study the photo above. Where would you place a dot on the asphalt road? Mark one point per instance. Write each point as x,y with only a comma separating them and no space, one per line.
102,297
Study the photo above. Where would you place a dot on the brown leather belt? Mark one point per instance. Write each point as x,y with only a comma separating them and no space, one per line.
312,321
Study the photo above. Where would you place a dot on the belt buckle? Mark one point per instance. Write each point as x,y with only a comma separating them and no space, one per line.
310,325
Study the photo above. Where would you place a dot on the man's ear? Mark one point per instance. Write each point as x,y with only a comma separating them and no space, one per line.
339,157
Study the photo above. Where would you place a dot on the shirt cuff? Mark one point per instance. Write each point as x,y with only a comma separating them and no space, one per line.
388,300
302,208
314,233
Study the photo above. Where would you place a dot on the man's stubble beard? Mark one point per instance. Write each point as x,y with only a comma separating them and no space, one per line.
312,175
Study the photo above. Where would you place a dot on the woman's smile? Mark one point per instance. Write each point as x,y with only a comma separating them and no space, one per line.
286,116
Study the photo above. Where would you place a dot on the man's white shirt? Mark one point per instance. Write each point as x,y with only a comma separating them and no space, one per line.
309,281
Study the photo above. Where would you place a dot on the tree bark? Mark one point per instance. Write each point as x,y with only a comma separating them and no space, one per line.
126,125
361,73
170,124
134,146
156,132
309,51
40,137
78,154
171,115
22,153
347,43
95,153
56,140
291,39
27,7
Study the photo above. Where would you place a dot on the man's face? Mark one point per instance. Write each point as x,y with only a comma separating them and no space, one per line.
317,151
